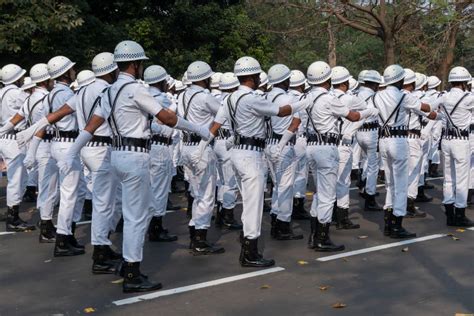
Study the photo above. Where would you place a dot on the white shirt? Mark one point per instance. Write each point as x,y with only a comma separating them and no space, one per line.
59,96
303,115
32,109
280,97
203,107
216,93
462,116
12,99
324,113
414,121
157,128
225,125
82,104
353,103
132,109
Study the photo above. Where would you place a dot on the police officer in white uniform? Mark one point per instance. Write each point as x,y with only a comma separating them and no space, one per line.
161,163
11,101
436,131
323,137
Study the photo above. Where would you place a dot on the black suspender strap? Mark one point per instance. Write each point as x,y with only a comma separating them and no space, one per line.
30,110
396,110
309,110
5,93
83,97
233,110
448,115
112,122
186,108
268,119
95,105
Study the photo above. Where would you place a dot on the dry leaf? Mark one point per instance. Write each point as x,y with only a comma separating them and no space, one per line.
302,262
460,230
89,310
363,237
46,261
455,238
450,235
324,287
405,249
119,281
309,193
462,314
345,259
339,305
265,287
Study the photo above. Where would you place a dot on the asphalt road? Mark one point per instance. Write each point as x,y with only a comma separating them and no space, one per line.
426,277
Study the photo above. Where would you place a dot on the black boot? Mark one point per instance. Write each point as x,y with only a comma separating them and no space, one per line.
381,177
134,281
64,248
189,210
299,211
202,247
171,207
450,218
422,197
396,229
361,182
413,211
72,238
460,219
386,218
343,221
218,220
427,185
273,218
192,235
87,210
30,195
174,185
47,232
267,207
470,194
371,204
323,242
283,231
227,219
249,256
312,240
433,170
15,223
156,231
103,261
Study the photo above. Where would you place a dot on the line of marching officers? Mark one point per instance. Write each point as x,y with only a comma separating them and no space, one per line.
230,132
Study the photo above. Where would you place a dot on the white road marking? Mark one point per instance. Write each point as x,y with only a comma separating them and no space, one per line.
381,247
192,287
6,233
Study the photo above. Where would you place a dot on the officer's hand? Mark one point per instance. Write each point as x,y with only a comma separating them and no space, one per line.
29,161
196,157
65,166
229,143
204,133
23,137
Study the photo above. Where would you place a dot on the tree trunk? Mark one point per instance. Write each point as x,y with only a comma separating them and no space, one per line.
448,59
332,58
389,49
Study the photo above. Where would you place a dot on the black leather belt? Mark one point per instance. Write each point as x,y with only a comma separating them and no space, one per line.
101,139
371,125
123,143
415,132
48,137
250,141
275,138
162,140
191,138
471,128
68,134
394,132
455,134
424,123
223,133
323,139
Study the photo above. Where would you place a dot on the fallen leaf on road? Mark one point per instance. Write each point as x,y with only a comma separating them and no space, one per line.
363,237
119,281
345,259
324,287
461,314
339,305
456,238
302,262
265,287
449,235
405,249
46,261
89,310
461,230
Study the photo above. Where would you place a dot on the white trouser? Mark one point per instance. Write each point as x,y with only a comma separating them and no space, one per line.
16,172
250,168
357,155
344,176
72,188
103,188
368,142
457,159
395,155
301,178
133,172
282,169
471,146
324,162
227,191
47,180
161,170
425,149
88,181
32,176
202,183
436,131
415,161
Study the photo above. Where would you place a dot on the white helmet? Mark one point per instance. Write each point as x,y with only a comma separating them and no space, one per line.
318,72
58,66
263,79
198,71
246,65
278,73
361,76
129,51
11,73
170,81
353,84
228,81
410,76
215,79
103,64
371,76
74,86
421,80
392,74
459,74
433,82
179,85
27,84
382,84
297,78
185,79
84,78
339,75
154,74
39,73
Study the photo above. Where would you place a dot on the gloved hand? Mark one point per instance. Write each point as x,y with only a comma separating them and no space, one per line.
229,143
65,166
6,128
24,136
30,158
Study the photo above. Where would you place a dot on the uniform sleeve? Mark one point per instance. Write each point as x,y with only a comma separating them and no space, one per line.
23,109
261,106
72,102
212,104
221,116
413,104
146,102
337,108
357,103
103,107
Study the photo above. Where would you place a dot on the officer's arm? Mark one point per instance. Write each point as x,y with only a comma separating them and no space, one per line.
94,124
425,108
16,119
295,123
63,111
214,128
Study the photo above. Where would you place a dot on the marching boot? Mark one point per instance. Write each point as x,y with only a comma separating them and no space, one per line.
156,231
218,219
202,247
72,238
267,207
14,222
119,227
469,196
371,204
396,229
323,242
460,219
87,210
422,197
333,216
433,170
361,182
413,211
381,177
283,231
354,174
171,207
227,219
427,185
298,210
189,210
273,218
249,256
134,281
312,240
103,263
174,185
47,232
64,248
450,218
192,234
30,195
386,219
343,221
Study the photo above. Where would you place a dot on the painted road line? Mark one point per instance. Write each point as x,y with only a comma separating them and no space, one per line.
381,247
197,286
471,228
6,233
